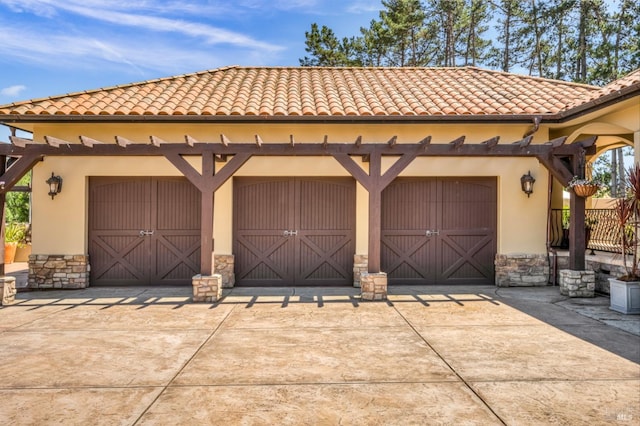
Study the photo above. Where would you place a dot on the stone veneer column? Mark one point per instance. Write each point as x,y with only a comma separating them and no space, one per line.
8,290
522,270
207,288
58,271
577,283
360,265
373,285
223,265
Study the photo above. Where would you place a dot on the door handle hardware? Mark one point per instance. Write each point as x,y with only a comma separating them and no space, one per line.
290,233
144,233
430,233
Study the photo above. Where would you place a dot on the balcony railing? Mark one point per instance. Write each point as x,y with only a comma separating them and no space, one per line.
602,232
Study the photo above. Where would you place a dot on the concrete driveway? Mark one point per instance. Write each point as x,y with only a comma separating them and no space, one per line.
468,355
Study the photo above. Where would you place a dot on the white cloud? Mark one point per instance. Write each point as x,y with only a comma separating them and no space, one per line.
12,91
124,14
138,57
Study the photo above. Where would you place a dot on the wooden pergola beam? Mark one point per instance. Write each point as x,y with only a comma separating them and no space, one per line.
491,143
278,149
524,142
20,142
17,170
425,142
89,142
457,143
54,142
123,142
156,141
558,142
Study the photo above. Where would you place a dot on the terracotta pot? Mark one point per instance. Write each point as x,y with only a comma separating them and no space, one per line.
9,252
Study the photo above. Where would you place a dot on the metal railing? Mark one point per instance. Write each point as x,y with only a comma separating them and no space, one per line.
601,232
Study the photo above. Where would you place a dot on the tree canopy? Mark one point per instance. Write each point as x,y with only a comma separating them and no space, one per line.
587,41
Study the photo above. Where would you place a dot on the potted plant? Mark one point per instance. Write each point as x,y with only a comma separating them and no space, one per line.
14,235
583,187
625,290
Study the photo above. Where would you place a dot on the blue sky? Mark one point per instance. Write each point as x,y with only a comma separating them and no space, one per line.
50,47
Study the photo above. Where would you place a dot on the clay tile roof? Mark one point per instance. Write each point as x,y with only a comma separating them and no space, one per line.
626,82
295,91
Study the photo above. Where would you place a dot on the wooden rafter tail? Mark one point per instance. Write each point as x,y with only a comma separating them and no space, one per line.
156,141
392,142
189,140
20,142
457,143
325,142
557,142
88,142
525,142
492,143
425,142
359,141
224,140
589,142
55,142
123,142
292,141
259,141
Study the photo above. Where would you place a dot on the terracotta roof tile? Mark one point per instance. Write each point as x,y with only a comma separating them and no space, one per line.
253,91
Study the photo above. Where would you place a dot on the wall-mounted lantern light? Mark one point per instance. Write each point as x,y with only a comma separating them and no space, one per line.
527,183
55,185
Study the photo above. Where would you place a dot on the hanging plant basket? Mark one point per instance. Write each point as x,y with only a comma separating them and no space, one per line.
585,190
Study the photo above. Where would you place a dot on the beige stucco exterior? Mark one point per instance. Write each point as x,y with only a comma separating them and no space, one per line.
61,227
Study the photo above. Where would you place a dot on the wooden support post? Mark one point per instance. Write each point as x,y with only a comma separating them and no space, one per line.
206,217
206,242
375,217
3,196
207,182
577,234
577,231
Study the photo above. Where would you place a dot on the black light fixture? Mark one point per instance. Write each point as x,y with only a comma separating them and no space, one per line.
55,185
527,183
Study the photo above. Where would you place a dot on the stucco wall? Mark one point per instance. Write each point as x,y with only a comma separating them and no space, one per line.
59,225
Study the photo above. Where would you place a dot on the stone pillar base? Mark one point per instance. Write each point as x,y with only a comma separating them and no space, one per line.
223,265
8,290
577,283
207,288
360,265
522,270
58,271
373,286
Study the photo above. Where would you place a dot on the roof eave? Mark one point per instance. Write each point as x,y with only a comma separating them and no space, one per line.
9,119
598,103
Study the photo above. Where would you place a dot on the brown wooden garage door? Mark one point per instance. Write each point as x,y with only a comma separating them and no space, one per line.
439,230
294,231
143,231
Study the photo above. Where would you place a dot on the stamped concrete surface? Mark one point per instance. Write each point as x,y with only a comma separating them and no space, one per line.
429,355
